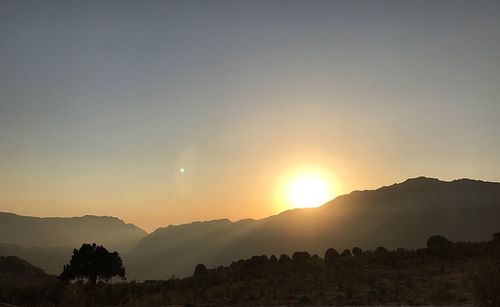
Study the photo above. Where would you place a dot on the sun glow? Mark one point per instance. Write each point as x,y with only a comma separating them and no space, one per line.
307,188
308,191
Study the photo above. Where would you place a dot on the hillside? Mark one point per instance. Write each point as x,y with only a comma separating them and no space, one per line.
14,270
18,275
15,267
401,215
444,273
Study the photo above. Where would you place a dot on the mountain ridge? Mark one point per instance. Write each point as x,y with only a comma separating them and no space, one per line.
68,231
385,216
388,216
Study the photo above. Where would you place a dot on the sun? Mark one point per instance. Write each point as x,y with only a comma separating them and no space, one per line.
305,186
309,191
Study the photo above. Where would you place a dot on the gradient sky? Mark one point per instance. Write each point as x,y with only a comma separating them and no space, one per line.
101,102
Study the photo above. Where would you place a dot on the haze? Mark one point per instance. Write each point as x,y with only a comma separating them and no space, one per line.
103,103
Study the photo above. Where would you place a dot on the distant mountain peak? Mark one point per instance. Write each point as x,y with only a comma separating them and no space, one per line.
91,216
421,179
422,183
207,222
429,180
193,224
68,232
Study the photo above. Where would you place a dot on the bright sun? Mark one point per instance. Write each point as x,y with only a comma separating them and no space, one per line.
309,191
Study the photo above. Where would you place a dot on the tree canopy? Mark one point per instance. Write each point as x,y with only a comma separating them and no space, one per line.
93,262
331,256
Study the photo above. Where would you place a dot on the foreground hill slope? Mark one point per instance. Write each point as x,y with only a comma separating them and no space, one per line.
15,267
401,215
16,274
17,271
442,274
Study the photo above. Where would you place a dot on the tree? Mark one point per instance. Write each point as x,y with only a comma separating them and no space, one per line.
200,269
257,261
437,241
356,251
301,257
331,256
93,262
284,258
380,251
346,253
438,245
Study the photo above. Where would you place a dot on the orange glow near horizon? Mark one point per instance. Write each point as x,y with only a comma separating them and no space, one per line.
307,187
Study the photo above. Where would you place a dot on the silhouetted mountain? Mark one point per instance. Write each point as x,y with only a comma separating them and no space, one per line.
401,215
69,232
50,259
48,242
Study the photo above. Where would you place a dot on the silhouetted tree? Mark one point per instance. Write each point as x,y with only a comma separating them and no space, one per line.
356,251
284,258
438,245
93,262
301,257
273,260
380,250
200,270
437,241
346,253
257,261
331,255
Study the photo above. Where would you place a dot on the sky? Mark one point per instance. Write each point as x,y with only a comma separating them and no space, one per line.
103,102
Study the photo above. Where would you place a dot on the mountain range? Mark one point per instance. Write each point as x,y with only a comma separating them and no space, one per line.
49,242
400,215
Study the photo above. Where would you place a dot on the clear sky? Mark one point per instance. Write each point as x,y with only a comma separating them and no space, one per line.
102,102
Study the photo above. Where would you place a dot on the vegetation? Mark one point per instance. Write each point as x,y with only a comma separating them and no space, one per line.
93,262
442,273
